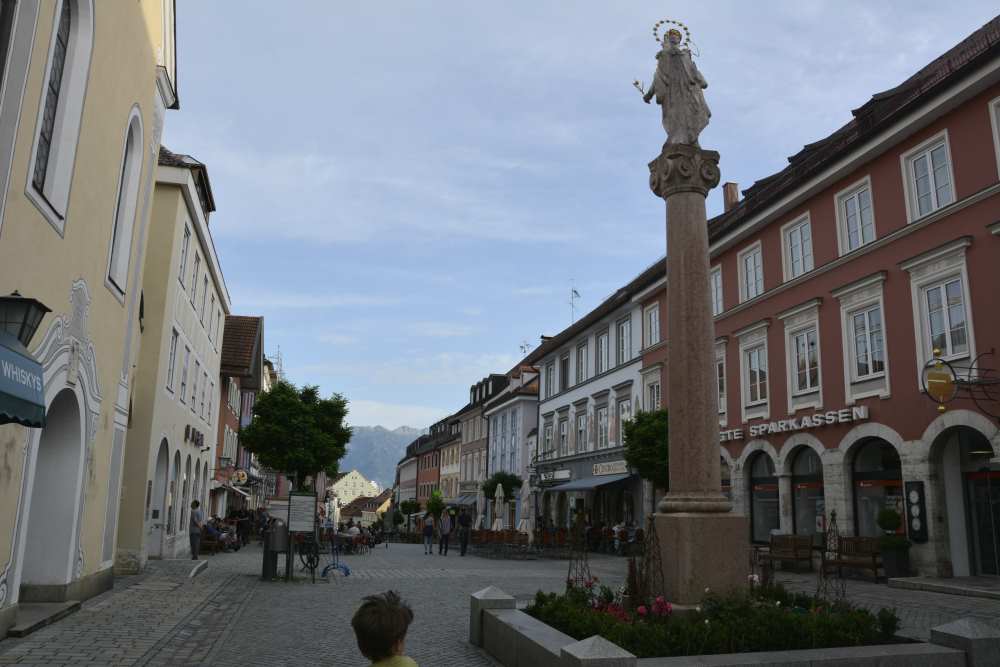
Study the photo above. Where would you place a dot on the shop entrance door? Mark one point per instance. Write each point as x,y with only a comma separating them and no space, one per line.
983,490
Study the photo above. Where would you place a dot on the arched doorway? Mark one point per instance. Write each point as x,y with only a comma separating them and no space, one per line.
204,484
726,478
877,477
764,516
971,500
50,529
158,518
808,504
561,510
196,494
173,497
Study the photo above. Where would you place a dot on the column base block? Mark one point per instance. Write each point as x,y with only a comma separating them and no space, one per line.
703,550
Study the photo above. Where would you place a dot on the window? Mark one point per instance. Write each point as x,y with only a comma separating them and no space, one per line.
581,432
653,396
547,441
928,177
755,359
128,193
751,265
194,385
581,363
185,246
798,248
624,333
56,70
868,349
602,427
944,318
184,374
211,398
652,321
564,372
855,217
602,352
624,415
6,32
172,359
720,378
194,278
204,388
211,312
805,358
218,320
563,437
204,295
715,283
550,379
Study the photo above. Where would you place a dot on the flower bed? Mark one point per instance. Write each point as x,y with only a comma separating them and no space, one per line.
761,619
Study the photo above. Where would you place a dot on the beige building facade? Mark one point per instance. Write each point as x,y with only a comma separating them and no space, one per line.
174,419
83,99
348,486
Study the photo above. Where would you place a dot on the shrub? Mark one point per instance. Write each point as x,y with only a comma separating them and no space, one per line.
769,619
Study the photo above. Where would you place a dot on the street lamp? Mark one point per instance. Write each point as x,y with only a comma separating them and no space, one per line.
20,316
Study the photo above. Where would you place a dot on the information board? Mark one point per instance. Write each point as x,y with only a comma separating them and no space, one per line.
301,512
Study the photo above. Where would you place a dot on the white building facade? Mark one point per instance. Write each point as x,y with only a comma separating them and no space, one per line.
591,385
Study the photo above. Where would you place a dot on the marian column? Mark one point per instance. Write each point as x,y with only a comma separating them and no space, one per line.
704,544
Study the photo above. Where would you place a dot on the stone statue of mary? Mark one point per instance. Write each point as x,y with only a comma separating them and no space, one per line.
677,86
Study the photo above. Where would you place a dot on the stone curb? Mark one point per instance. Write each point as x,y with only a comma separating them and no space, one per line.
198,569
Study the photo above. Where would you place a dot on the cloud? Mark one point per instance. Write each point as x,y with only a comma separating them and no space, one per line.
392,415
439,329
248,297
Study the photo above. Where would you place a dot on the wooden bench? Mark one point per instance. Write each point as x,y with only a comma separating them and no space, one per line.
797,548
861,553
209,544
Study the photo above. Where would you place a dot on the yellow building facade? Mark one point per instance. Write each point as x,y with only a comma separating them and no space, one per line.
85,88
171,443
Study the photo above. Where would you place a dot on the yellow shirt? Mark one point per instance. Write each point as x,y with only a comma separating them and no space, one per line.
396,661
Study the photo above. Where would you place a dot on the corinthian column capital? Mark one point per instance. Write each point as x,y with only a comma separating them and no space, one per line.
683,168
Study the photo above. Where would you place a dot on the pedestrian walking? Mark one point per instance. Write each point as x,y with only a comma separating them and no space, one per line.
428,534
194,529
464,527
444,530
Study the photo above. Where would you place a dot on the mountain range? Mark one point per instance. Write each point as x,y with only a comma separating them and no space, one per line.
375,450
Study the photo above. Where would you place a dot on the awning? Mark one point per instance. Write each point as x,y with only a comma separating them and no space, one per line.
239,491
588,483
465,500
22,390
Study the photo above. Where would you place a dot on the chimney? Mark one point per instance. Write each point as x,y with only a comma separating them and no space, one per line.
730,195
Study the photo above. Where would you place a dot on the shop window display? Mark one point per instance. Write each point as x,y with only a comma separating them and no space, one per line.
764,515
878,484
809,507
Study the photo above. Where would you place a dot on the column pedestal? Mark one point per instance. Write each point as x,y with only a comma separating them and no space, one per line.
702,550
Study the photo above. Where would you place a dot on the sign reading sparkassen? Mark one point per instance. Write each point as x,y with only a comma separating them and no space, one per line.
815,420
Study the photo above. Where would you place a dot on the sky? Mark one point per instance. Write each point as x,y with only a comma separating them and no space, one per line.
408,191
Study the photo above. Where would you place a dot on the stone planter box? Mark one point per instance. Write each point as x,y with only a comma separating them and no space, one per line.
515,639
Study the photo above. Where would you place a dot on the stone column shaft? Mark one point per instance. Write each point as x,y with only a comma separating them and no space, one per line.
683,175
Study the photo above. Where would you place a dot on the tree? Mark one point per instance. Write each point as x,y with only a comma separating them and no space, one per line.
646,447
510,482
435,504
408,507
297,432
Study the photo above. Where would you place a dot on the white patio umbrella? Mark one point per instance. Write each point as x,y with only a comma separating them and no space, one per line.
480,505
498,509
524,525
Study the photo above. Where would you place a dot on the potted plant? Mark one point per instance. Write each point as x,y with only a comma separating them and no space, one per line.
895,548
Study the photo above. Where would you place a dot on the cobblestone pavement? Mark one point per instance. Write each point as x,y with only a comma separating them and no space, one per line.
919,611
226,616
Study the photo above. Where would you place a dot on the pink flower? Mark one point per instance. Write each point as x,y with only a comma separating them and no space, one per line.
642,610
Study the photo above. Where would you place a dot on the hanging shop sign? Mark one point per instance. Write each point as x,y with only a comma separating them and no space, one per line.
556,475
815,420
610,468
22,389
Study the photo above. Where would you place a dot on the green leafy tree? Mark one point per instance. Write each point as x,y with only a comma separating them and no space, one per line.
510,482
646,446
408,507
435,504
298,432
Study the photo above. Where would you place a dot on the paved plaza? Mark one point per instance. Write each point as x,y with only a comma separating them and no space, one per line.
226,616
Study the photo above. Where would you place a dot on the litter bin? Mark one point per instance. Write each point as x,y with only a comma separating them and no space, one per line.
275,542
